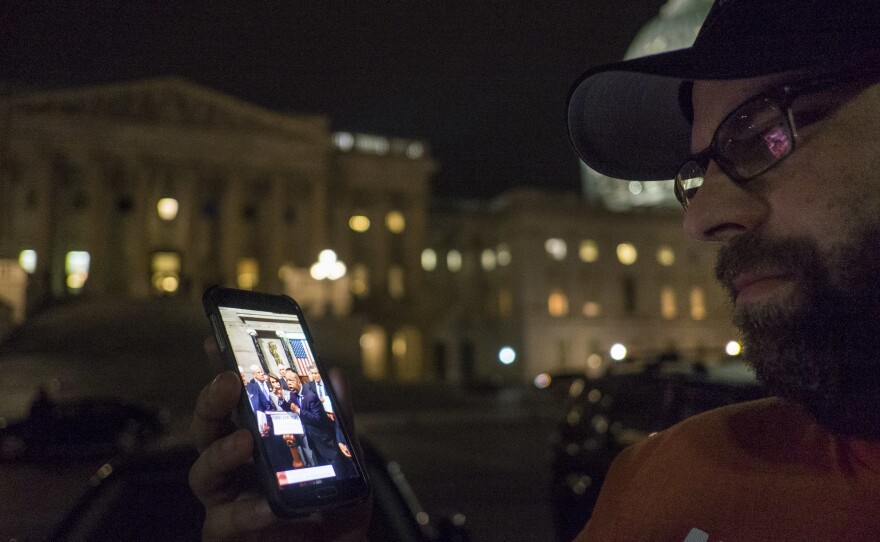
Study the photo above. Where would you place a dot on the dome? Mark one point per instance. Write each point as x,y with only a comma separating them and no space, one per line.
675,27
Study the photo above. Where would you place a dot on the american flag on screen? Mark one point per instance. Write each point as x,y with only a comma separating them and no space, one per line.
302,355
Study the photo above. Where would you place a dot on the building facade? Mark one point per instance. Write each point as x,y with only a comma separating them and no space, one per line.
163,187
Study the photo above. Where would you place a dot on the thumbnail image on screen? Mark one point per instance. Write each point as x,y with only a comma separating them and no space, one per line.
287,396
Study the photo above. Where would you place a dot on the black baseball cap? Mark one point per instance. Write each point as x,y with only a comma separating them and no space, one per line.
631,119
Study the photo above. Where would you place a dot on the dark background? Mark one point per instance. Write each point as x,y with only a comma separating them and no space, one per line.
483,82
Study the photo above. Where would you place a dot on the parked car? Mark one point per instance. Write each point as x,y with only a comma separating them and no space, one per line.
605,415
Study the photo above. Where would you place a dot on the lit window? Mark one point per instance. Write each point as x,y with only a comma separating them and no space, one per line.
374,352
589,251
76,266
592,309
557,304
27,259
627,254
360,281
505,303
165,267
167,208
398,346
359,223
488,259
502,254
429,259
556,248
698,303
666,256
415,150
668,307
395,282
344,141
395,222
247,273
453,261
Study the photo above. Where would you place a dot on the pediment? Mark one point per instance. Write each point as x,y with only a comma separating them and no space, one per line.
170,100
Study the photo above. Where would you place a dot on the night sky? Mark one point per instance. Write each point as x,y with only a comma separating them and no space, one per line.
483,82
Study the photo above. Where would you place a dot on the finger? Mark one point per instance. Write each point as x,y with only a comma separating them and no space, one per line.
215,475
236,519
214,407
213,351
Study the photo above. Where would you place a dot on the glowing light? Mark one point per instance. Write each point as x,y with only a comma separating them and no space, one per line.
327,266
359,223
635,188
666,256
395,222
556,248
627,254
27,259
429,259
76,265
557,304
488,259
507,355
167,208
594,361
344,141
543,381
453,261
502,254
698,303
733,348
247,273
592,309
589,251
617,352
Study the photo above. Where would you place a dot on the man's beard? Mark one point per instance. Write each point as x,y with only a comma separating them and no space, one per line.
818,345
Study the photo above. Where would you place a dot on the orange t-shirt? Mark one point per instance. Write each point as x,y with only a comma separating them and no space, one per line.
756,471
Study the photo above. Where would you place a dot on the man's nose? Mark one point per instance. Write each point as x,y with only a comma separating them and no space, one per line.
722,208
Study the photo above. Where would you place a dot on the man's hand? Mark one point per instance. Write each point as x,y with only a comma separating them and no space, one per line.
224,480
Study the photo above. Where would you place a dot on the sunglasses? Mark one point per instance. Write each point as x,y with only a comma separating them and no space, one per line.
762,131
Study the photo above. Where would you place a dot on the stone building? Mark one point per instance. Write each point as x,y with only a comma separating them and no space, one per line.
564,285
162,187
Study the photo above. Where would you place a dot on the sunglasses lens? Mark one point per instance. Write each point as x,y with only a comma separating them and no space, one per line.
687,181
754,138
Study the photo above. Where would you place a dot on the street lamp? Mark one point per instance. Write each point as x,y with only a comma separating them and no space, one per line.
328,266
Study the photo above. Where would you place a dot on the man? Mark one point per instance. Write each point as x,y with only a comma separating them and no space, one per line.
769,125
320,430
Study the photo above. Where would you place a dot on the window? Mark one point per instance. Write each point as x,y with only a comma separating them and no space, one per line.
627,253
556,248
698,303
395,222
502,254
247,273
395,282
360,281
592,309
665,256
359,223
167,208
165,267
488,259
668,307
76,266
588,251
557,304
429,259
453,261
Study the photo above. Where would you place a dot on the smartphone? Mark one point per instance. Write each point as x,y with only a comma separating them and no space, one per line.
303,450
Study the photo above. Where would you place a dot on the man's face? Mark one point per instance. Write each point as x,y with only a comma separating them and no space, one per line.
316,376
293,382
799,255
259,376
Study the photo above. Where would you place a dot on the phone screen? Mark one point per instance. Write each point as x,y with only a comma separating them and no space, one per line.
288,397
